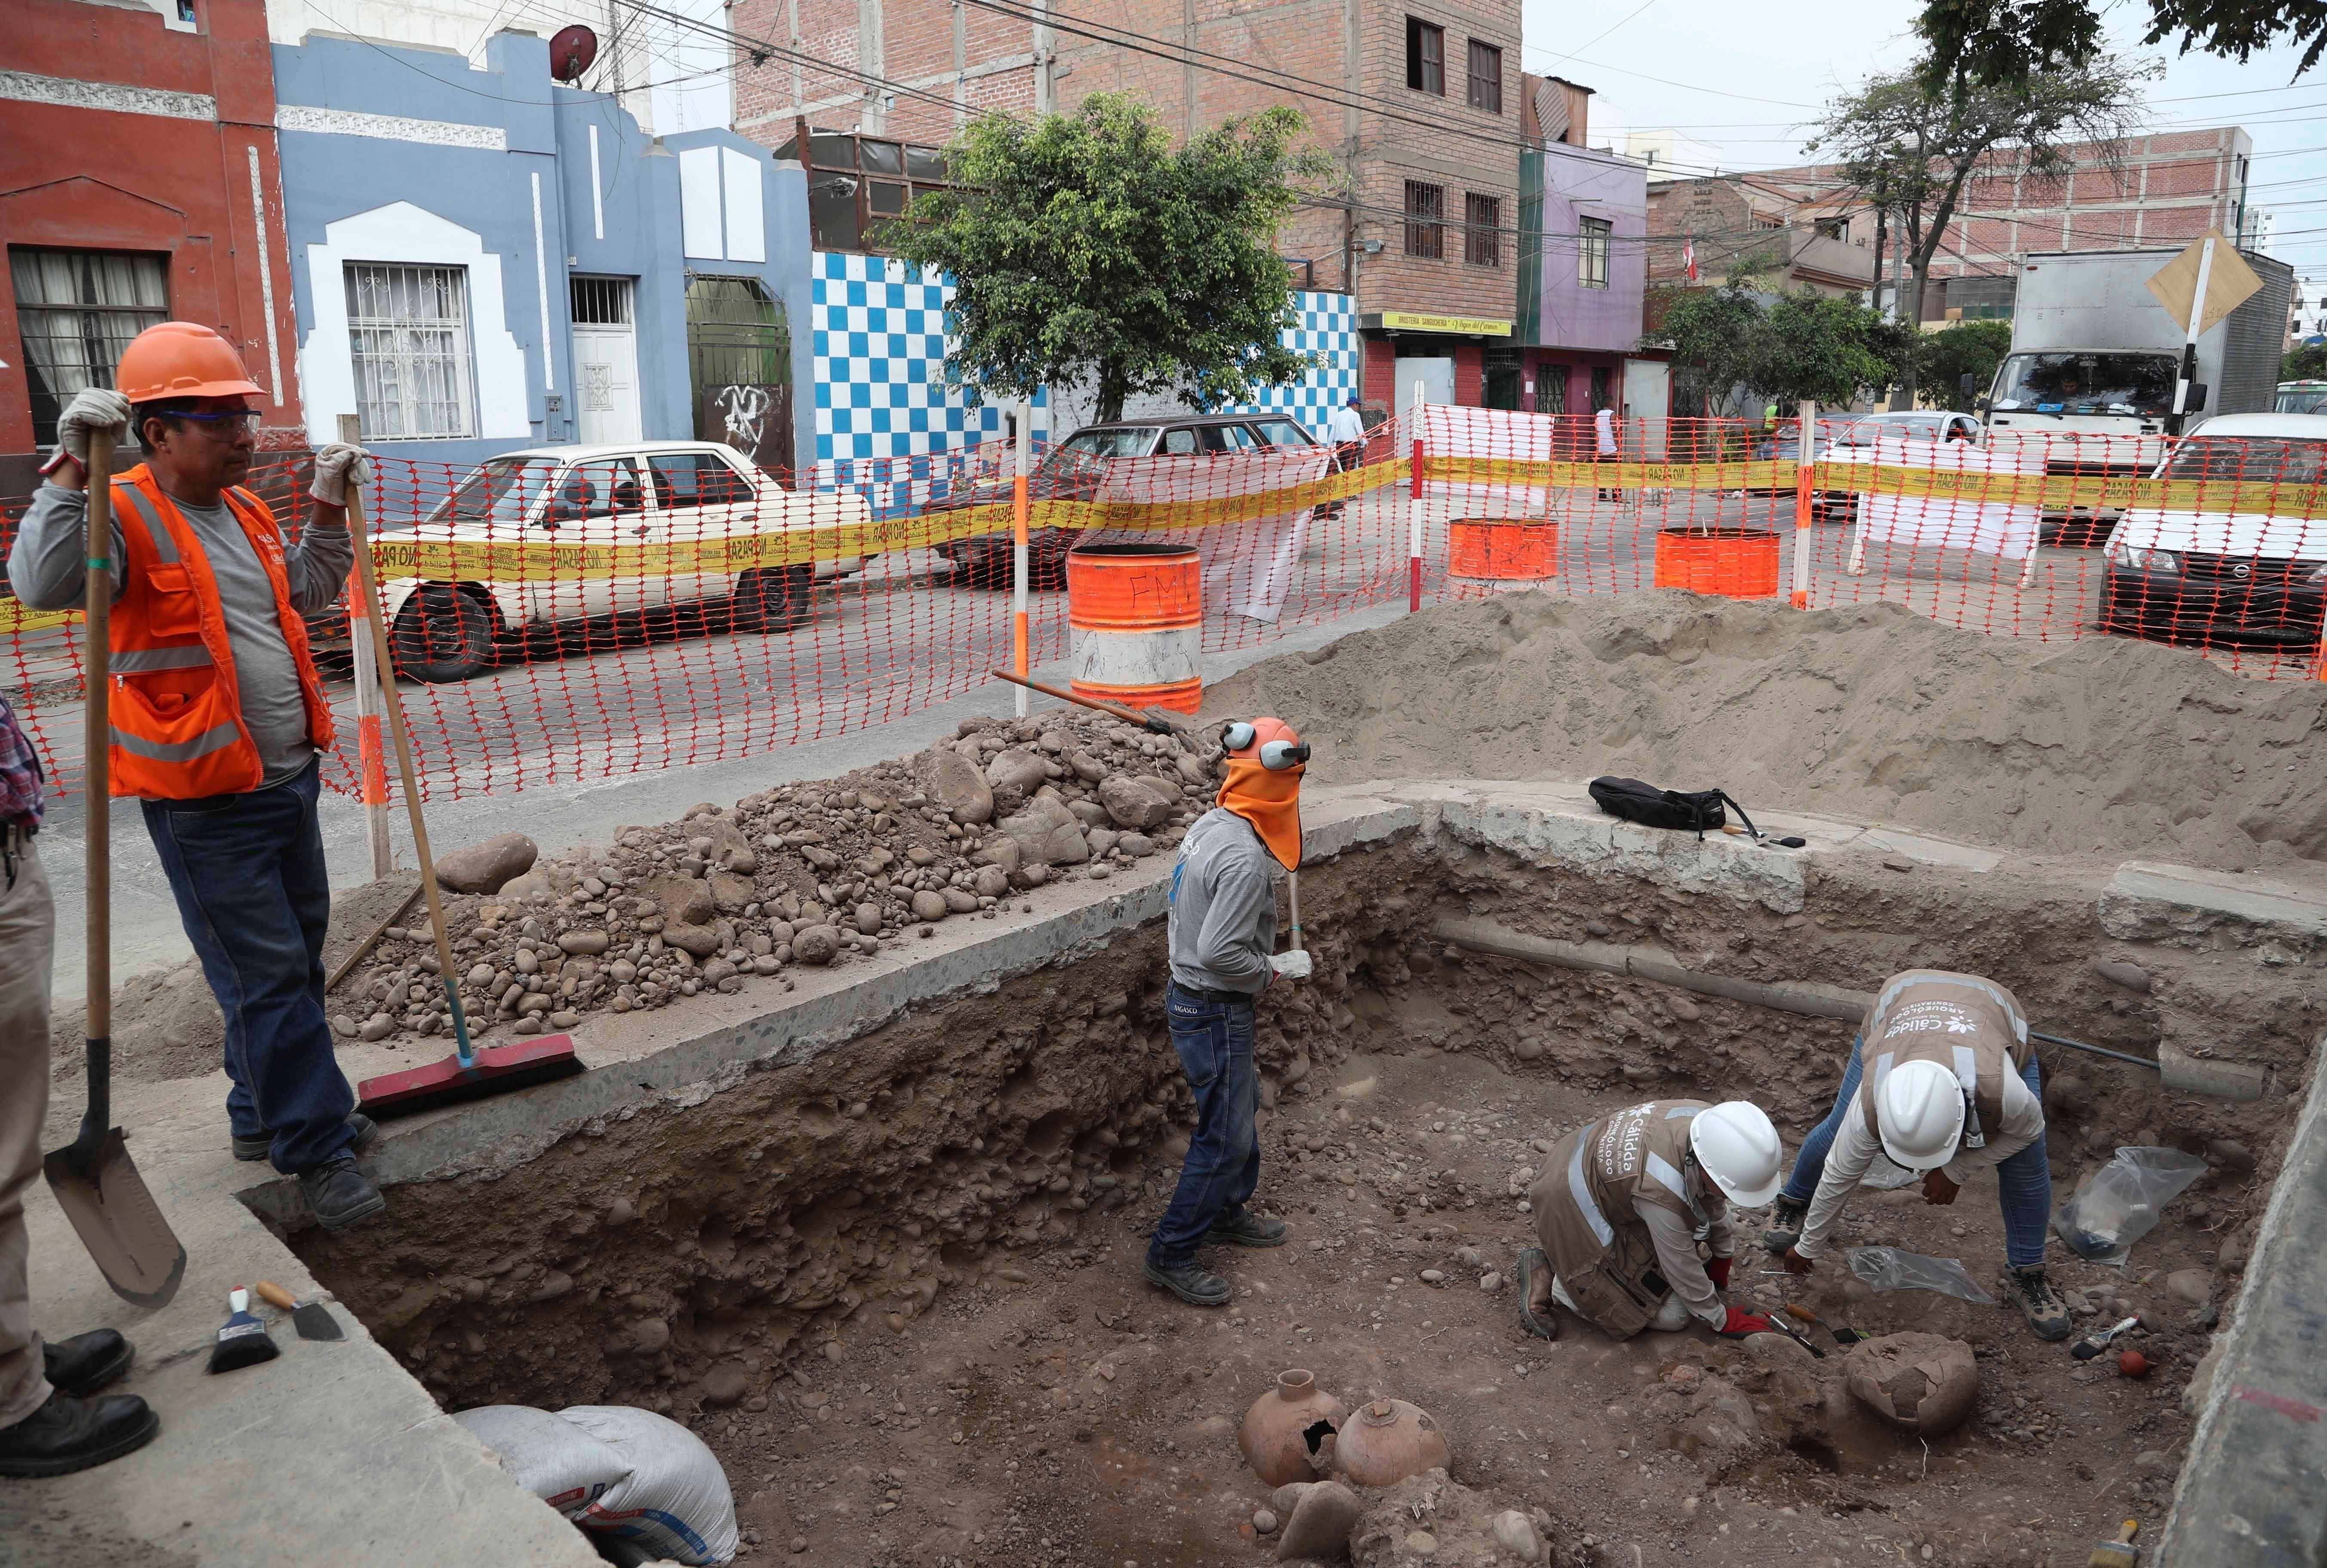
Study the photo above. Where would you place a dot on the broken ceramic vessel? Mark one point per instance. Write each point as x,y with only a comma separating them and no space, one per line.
1287,1433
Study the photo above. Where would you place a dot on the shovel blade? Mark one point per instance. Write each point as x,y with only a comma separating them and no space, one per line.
117,1220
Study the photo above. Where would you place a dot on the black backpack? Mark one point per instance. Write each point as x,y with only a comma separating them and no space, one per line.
1650,807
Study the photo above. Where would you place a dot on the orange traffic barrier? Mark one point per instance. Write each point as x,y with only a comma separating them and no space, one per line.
1135,618
1503,549
1734,562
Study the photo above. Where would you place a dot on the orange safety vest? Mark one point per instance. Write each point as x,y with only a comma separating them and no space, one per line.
176,708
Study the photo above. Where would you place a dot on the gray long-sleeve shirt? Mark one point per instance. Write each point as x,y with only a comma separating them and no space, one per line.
1223,920
46,569
1676,1259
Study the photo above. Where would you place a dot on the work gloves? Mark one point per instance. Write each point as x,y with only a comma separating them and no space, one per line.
91,409
1717,1271
337,466
1739,1324
1293,966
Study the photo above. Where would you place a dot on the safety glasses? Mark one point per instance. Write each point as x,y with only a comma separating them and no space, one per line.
225,424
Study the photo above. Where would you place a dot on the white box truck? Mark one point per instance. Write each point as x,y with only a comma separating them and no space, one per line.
2094,357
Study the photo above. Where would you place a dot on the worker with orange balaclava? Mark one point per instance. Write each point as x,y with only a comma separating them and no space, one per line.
1221,941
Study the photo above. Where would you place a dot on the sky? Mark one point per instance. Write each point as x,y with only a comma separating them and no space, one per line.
1750,81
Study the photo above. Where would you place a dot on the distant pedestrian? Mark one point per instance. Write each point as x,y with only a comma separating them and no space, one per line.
218,716
1221,942
1346,429
1606,448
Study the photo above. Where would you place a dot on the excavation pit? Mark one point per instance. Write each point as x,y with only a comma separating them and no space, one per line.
878,1245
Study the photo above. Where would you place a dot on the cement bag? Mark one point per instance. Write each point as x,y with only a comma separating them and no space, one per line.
2119,1204
547,1455
675,1500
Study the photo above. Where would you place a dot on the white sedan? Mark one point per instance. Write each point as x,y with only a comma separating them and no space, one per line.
692,498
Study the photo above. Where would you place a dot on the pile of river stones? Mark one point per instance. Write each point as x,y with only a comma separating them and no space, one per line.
820,873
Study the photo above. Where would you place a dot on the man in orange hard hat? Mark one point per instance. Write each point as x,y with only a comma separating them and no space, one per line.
218,718
1221,940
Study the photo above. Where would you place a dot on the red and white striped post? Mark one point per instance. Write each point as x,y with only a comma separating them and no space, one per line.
1805,495
372,760
1020,506
1414,511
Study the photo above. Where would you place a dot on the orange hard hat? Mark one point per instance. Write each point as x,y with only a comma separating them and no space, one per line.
180,359
1272,743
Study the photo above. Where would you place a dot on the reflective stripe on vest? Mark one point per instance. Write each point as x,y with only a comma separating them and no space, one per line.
1662,1173
215,739
166,547
1581,1189
131,660
1968,1075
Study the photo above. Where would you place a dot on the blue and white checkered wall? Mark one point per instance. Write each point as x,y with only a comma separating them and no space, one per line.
886,422
879,351
1328,329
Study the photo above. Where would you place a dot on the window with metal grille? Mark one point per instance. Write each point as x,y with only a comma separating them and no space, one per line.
1486,87
1591,251
1424,206
600,302
1482,239
1425,56
408,333
857,185
77,310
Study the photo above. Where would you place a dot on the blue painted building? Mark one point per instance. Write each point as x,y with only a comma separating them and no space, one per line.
483,260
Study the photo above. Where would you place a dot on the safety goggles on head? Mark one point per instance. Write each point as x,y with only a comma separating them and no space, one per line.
1276,756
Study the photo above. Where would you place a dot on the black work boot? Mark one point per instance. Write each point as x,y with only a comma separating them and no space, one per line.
367,1132
86,1363
1785,1223
1194,1285
339,1195
1247,1230
68,1434
2038,1303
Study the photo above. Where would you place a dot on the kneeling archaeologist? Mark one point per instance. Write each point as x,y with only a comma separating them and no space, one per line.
1622,1203
1955,1088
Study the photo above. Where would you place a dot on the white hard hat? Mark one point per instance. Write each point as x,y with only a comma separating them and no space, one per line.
1738,1148
1919,1113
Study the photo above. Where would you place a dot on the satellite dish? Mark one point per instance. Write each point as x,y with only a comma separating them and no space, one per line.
572,52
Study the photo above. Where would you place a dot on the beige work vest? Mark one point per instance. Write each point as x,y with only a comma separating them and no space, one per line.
1583,1213
1972,1027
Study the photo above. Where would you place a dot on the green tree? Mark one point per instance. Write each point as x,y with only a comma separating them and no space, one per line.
1086,245
1911,151
1711,332
2008,43
1944,358
1739,348
2304,362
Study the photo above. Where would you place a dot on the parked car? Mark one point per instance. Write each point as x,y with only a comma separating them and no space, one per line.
669,493
2225,577
1074,469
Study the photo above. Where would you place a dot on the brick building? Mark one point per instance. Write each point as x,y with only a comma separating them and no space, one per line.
1418,103
2163,192
138,183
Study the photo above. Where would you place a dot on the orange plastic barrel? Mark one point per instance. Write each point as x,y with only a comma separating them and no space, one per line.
1734,562
1503,549
1135,616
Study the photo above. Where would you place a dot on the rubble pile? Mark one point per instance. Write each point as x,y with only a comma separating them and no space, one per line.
823,872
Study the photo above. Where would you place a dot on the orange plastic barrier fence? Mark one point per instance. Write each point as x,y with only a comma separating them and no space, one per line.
564,620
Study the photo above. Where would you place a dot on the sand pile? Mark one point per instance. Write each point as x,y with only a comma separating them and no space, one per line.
2099,746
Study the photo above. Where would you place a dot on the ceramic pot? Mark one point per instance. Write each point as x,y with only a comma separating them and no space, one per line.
1275,1436
1386,1442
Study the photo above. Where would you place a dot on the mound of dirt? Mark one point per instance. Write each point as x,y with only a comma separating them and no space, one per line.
2099,746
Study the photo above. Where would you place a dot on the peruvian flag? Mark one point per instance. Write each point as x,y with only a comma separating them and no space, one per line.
1688,257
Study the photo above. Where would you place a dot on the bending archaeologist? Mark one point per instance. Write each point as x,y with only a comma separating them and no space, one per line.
1956,1088
1222,932
1621,1205
218,717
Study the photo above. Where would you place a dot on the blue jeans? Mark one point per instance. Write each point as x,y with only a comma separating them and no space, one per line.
2023,1183
1214,1041
248,873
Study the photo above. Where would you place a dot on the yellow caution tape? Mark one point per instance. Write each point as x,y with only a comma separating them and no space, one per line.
16,618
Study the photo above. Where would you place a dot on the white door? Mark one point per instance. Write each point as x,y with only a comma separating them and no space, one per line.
601,504
1648,403
1437,378
605,361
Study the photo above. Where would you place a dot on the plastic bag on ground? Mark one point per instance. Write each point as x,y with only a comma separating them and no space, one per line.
547,1455
2120,1203
1886,1268
675,1500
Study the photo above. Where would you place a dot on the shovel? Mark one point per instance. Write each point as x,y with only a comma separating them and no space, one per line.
96,1182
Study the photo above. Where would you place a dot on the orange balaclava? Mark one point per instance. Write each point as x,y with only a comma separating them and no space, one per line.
1265,761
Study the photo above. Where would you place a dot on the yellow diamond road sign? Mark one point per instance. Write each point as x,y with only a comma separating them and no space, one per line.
2229,283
